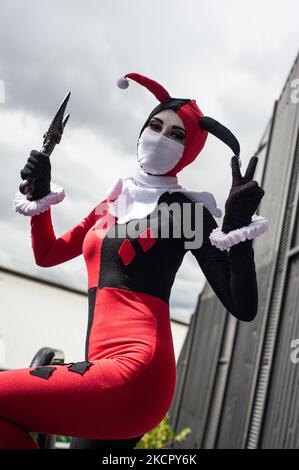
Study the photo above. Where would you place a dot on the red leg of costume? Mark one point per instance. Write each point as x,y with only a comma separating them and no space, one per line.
126,384
13,437
120,395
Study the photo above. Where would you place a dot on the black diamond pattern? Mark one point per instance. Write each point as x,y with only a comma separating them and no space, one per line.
80,367
44,372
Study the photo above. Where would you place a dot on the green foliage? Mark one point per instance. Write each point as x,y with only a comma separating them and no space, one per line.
162,436
33,435
63,438
58,438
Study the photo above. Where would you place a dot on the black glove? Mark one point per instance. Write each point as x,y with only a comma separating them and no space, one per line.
244,197
38,166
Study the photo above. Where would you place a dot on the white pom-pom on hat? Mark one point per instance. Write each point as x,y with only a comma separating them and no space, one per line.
123,82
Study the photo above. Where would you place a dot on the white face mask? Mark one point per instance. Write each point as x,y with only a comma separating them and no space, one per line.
156,153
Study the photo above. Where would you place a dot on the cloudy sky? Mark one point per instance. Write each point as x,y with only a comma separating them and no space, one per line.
232,57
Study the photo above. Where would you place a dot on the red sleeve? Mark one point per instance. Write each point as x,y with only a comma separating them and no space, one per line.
49,250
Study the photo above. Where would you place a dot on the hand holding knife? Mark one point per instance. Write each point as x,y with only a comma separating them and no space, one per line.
51,138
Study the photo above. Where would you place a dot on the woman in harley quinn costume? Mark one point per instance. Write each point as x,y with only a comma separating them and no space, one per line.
126,384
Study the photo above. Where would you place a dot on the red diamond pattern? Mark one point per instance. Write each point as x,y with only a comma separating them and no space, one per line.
126,252
146,239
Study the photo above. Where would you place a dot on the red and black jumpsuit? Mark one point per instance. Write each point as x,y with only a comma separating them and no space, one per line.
126,384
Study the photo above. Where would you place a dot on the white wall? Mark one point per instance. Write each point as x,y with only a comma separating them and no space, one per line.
34,314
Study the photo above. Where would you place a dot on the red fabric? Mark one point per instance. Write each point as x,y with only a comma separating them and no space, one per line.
146,239
190,115
13,437
126,252
50,251
158,90
123,393
195,137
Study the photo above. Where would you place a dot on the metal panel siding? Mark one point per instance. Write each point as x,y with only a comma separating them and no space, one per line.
289,114
241,382
281,421
288,319
200,376
182,368
247,393
295,241
274,317
250,338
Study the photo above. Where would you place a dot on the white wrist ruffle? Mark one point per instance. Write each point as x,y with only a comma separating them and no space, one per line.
223,241
22,205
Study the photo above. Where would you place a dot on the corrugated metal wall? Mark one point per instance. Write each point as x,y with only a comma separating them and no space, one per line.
237,386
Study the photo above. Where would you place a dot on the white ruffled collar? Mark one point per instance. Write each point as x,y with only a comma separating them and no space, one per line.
140,194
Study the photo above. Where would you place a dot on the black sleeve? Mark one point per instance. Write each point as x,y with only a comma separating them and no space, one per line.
231,274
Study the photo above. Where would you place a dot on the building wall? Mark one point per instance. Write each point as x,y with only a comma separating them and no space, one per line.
241,387
35,313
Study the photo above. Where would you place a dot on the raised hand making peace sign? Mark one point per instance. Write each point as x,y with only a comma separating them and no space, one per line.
244,197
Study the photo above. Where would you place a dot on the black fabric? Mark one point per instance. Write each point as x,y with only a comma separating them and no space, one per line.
221,132
38,169
80,367
173,103
44,371
244,197
91,303
151,272
231,274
